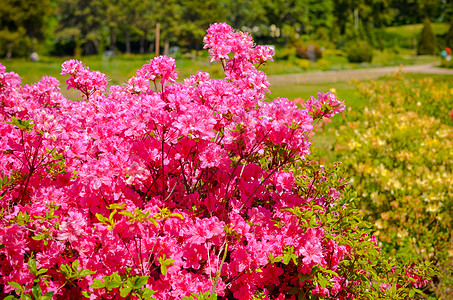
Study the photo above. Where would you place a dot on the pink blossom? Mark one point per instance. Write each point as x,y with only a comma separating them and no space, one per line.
161,67
72,227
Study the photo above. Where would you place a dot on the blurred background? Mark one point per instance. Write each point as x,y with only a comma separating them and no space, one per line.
90,27
118,36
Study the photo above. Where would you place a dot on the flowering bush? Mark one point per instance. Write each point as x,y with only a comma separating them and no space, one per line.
400,152
190,190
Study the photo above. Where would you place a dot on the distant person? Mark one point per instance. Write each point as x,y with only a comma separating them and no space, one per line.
34,56
448,57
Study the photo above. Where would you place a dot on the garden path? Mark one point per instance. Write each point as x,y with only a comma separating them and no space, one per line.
355,74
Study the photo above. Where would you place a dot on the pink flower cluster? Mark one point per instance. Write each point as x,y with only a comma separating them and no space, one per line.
325,106
88,82
188,186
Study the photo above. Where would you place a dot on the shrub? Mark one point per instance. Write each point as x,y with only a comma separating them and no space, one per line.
308,50
303,63
399,149
427,42
285,53
449,36
165,190
359,51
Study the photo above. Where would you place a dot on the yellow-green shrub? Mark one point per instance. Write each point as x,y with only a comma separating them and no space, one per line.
399,152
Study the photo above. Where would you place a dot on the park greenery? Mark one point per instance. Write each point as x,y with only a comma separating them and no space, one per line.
397,145
88,27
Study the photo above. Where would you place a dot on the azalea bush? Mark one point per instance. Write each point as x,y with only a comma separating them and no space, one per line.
399,153
197,189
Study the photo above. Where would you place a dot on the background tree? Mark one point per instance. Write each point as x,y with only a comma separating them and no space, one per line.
410,11
130,13
21,23
169,13
248,13
427,42
79,25
449,36
289,18
196,18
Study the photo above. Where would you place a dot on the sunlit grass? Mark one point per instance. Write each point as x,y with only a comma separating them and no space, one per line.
413,30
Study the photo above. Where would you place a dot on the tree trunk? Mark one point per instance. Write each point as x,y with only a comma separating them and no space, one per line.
78,48
142,43
128,40
112,39
166,47
157,38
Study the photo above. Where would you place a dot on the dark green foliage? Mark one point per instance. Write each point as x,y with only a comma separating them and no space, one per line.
359,51
21,23
84,27
449,36
427,42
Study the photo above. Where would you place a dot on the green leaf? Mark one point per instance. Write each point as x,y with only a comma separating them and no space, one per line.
323,282
117,206
164,263
16,285
101,218
213,297
75,265
86,272
163,270
39,237
176,215
114,281
65,270
124,292
10,297
22,125
25,297
41,271
86,294
97,284
112,214
286,259
147,293
126,213
48,295
303,277
36,290
32,265
141,281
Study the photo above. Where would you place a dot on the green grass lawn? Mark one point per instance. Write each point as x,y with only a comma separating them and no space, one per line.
413,30
407,36
120,68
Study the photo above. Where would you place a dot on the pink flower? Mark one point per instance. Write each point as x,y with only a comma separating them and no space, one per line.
262,54
161,67
217,41
71,67
384,286
214,156
322,292
312,253
285,181
204,229
72,227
